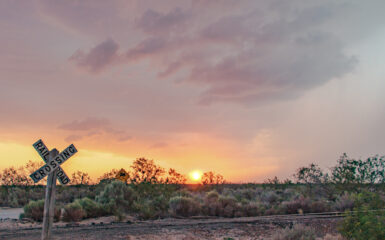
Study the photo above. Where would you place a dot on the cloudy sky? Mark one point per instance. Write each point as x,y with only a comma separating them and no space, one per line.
248,89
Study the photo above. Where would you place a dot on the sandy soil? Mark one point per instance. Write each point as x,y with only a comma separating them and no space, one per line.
168,229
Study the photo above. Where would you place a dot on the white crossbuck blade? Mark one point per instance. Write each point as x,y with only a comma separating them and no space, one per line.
54,163
43,151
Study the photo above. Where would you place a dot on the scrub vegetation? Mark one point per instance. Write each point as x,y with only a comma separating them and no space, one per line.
356,187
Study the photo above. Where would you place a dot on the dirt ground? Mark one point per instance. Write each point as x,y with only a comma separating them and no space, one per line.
169,229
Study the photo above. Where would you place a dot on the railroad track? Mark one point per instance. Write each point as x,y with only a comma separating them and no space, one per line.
143,227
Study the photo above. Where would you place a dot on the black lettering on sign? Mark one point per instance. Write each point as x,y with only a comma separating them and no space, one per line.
38,144
72,149
42,150
42,173
66,154
65,181
47,168
60,172
35,177
46,156
58,160
52,163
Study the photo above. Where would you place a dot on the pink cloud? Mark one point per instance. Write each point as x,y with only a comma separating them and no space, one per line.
98,58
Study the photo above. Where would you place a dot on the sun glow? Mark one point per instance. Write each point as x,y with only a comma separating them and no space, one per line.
196,175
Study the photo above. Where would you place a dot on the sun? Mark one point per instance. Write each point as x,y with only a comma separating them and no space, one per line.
196,175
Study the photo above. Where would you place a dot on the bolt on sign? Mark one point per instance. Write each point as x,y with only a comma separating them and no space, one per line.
53,164
122,175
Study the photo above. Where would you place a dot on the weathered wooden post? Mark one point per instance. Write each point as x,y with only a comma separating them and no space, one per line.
52,169
49,203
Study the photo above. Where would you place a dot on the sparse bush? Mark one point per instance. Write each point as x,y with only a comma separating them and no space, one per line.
227,206
300,205
298,232
211,206
270,197
117,198
319,206
35,210
184,206
368,220
251,209
344,202
73,212
91,208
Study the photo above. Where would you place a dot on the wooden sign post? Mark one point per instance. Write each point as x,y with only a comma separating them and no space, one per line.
53,160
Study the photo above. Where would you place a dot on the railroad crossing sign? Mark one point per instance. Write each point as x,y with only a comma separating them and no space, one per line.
43,151
52,164
122,175
52,169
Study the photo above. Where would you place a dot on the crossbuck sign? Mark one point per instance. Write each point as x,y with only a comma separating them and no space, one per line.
52,169
52,164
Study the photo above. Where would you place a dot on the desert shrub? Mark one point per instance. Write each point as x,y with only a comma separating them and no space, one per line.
300,205
184,206
212,196
182,193
211,206
91,208
298,232
344,202
319,206
251,209
227,206
270,197
146,209
73,212
153,207
117,198
368,219
35,209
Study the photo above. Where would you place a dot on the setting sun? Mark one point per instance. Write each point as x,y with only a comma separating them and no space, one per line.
196,175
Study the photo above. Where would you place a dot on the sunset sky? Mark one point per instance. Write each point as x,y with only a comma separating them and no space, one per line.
248,89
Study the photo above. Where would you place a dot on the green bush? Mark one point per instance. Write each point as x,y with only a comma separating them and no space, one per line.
35,210
117,198
73,212
91,208
367,221
184,206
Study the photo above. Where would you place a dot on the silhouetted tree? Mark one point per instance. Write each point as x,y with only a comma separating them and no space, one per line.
146,171
212,178
80,178
311,174
175,178
108,175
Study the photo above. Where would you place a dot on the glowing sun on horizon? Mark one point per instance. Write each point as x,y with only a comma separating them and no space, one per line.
196,175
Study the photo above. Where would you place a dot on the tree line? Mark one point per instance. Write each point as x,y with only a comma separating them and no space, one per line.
142,170
347,171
